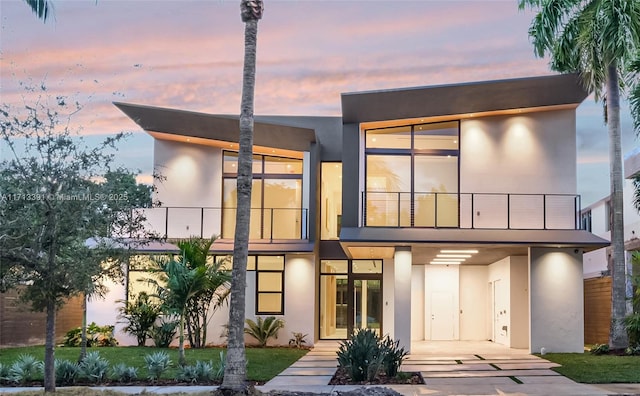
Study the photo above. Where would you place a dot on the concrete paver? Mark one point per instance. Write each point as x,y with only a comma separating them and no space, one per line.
432,368
526,366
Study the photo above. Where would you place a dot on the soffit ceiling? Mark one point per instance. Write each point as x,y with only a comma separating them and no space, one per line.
183,125
463,99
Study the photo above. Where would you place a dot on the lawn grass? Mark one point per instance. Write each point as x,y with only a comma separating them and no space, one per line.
597,369
263,363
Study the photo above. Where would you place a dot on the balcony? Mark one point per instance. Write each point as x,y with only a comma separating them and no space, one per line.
265,224
471,210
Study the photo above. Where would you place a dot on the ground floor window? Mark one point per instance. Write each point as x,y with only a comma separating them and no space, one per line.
267,270
270,285
350,297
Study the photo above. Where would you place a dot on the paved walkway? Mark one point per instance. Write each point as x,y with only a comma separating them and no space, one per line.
449,368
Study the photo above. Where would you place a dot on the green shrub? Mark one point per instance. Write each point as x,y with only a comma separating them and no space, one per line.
298,340
633,350
361,355
97,336
157,363
4,373
94,367
123,373
200,372
25,369
632,324
263,329
187,374
393,356
219,373
364,355
599,349
139,316
66,372
205,370
164,333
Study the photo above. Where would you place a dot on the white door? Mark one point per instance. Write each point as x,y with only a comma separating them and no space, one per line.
442,316
500,318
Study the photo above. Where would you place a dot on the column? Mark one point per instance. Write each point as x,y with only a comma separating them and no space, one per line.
402,296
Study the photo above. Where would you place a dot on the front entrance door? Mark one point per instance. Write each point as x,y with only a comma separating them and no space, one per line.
366,303
442,317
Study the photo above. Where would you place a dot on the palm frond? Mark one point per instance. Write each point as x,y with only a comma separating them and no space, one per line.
42,8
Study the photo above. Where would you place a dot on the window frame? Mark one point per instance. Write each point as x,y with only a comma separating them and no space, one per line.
258,271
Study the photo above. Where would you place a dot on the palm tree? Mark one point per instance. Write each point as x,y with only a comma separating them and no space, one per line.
235,372
597,39
41,8
634,95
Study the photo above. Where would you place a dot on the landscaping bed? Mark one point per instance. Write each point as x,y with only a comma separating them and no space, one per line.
341,377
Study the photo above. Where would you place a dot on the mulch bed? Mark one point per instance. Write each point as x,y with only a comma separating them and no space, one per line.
341,377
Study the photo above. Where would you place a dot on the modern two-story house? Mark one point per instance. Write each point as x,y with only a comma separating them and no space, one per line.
431,213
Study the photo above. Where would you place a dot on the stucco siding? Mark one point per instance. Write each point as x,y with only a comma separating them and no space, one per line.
556,300
533,153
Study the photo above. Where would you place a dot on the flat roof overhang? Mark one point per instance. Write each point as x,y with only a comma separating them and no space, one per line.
173,124
562,90
380,242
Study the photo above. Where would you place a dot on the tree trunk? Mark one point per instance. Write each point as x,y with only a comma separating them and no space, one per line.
49,351
235,373
83,342
181,359
617,335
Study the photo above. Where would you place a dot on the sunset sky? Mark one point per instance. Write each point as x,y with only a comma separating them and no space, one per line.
188,55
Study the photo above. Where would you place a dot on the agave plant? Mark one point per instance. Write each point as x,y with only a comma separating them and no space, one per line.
263,329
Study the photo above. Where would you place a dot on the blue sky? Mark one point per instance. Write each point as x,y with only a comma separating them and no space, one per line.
188,55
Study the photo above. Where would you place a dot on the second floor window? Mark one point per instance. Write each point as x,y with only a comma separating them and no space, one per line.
412,175
276,198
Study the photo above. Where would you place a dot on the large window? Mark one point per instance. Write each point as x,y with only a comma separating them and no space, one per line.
276,198
331,200
350,296
268,272
412,176
270,285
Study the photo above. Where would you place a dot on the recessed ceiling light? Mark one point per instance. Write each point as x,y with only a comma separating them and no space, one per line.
449,259
453,255
444,262
469,251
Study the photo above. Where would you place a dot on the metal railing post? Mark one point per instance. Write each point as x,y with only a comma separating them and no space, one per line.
398,214
202,222
435,214
544,212
508,211
166,222
271,226
473,212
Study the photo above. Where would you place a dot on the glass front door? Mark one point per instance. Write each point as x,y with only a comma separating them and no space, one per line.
366,304
350,297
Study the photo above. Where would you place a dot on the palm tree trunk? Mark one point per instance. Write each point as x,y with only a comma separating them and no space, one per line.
181,358
235,374
49,351
617,335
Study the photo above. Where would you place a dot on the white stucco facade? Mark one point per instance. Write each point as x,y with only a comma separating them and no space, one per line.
512,168
556,303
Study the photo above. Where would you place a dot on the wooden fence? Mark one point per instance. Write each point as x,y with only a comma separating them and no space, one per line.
597,310
20,326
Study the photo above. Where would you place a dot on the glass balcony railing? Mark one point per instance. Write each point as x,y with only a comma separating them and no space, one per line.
265,223
471,210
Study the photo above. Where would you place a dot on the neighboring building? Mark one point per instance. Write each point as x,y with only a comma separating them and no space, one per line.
432,213
596,218
21,326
